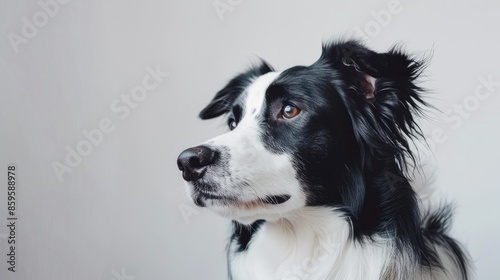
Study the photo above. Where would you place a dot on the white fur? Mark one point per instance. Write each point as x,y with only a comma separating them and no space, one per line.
311,243
295,242
250,159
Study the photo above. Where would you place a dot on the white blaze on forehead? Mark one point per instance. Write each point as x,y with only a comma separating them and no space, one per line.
248,170
256,92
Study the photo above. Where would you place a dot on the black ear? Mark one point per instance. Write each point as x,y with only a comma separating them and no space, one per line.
225,98
381,95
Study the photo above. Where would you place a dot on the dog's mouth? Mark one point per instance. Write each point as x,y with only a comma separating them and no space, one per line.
202,197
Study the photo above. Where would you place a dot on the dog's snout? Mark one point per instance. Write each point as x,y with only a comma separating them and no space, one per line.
193,161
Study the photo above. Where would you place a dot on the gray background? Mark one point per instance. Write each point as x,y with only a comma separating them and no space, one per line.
118,213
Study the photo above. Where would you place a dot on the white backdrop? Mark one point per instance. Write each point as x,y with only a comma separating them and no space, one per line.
99,97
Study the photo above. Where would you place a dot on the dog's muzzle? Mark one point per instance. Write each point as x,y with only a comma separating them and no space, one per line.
194,161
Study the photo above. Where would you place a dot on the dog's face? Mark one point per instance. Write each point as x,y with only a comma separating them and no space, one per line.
294,137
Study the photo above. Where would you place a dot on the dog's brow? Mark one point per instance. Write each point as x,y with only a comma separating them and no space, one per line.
274,90
237,112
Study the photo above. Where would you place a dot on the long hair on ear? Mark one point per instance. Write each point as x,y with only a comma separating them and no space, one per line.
382,98
226,97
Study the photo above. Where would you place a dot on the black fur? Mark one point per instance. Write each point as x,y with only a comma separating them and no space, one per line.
242,234
224,99
351,152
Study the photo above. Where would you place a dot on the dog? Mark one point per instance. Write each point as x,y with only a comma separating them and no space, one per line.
313,171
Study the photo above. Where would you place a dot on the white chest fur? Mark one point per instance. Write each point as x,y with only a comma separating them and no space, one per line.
312,244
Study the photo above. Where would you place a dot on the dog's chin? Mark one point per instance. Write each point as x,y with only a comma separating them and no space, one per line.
242,210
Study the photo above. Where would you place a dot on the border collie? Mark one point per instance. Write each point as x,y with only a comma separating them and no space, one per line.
313,172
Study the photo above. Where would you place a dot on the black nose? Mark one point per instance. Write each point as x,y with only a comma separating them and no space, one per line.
193,161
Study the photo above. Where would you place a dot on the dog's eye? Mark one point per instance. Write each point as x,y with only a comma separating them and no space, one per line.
232,124
289,111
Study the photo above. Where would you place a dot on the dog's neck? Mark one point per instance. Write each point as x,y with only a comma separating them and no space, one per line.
323,242
311,243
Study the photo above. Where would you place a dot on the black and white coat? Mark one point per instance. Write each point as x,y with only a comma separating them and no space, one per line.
313,172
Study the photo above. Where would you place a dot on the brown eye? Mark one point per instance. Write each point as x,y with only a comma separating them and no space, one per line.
290,111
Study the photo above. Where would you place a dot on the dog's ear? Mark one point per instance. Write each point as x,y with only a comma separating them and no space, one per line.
381,96
224,99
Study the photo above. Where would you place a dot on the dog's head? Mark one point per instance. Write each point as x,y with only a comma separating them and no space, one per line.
308,135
